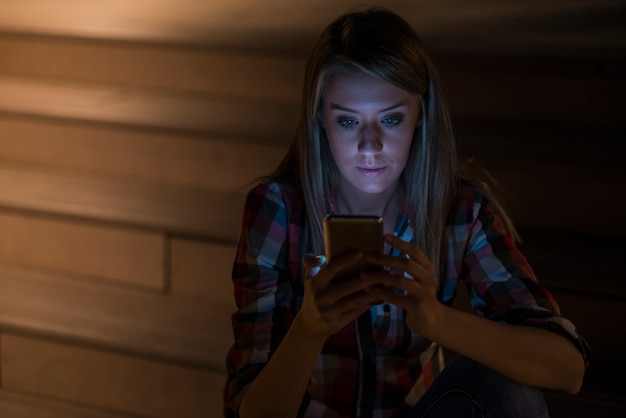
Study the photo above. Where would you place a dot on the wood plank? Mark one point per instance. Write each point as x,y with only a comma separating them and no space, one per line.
564,98
548,196
206,212
232,24
166,327
128,256
503,27
136,107
595,150
109,380
247,75
584,265
19,405
219,163
203,270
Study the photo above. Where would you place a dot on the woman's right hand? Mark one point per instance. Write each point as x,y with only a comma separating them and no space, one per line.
330,305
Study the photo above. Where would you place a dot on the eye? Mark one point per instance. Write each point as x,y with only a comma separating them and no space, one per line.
391,121
348,123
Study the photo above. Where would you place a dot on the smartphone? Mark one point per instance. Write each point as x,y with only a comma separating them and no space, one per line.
343,233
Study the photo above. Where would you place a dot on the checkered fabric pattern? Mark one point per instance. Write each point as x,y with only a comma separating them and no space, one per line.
375,366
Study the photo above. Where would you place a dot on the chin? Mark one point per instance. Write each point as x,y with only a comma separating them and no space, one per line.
374,188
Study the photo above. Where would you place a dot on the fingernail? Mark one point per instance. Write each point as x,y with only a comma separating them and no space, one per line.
314,259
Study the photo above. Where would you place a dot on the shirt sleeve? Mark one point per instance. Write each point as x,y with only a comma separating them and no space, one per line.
262,291
503,286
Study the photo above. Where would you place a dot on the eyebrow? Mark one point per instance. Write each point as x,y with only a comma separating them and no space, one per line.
347,109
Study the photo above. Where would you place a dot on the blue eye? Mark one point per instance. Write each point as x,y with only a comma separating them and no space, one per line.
391,121
348,123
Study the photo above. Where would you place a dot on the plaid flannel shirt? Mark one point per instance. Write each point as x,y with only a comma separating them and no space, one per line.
375,366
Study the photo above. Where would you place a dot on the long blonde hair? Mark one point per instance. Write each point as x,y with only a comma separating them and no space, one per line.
379,43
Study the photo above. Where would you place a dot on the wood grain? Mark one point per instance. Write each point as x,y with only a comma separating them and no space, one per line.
136,107
20,405
247,75
204,212
166,327
128,256
220,163
108,380
203,270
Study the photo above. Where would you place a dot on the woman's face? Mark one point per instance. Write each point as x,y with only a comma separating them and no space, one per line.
370,125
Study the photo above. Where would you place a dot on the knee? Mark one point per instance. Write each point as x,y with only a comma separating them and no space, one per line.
454,403
520,400
494,394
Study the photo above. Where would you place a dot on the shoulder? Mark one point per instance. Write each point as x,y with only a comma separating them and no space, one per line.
471,200
274,195
271,229
277,190
478,213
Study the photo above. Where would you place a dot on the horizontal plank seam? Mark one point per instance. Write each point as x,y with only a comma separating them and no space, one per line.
112,334
171,44
22,397
84,277
101,346
95,220
145,129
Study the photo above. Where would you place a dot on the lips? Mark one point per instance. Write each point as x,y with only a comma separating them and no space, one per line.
372,171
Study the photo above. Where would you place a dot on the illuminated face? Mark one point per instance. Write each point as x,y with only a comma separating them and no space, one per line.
370,125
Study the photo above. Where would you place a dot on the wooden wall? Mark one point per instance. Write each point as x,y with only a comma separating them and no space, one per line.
123,165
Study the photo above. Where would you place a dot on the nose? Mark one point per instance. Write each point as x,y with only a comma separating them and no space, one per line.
369,142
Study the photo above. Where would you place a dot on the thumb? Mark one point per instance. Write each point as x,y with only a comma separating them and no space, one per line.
312,264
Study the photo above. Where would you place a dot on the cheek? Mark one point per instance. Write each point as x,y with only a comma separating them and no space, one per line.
340,144
340,152
402,146
401,155
403,160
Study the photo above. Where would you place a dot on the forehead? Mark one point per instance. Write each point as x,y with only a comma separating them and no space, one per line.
351,88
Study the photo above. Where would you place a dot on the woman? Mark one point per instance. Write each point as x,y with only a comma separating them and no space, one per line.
374,137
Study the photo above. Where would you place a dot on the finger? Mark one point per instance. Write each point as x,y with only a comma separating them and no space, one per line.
337,292
402,264
342,262
410,248
357,302
312,264
390,297
390,282
312,260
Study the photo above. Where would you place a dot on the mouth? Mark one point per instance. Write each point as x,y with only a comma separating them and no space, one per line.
371,171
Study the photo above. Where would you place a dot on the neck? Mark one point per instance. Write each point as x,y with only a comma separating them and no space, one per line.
386,204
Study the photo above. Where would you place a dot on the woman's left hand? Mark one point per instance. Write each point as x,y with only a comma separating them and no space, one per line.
419,298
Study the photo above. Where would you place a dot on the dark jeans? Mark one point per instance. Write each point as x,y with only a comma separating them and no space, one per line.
467,389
